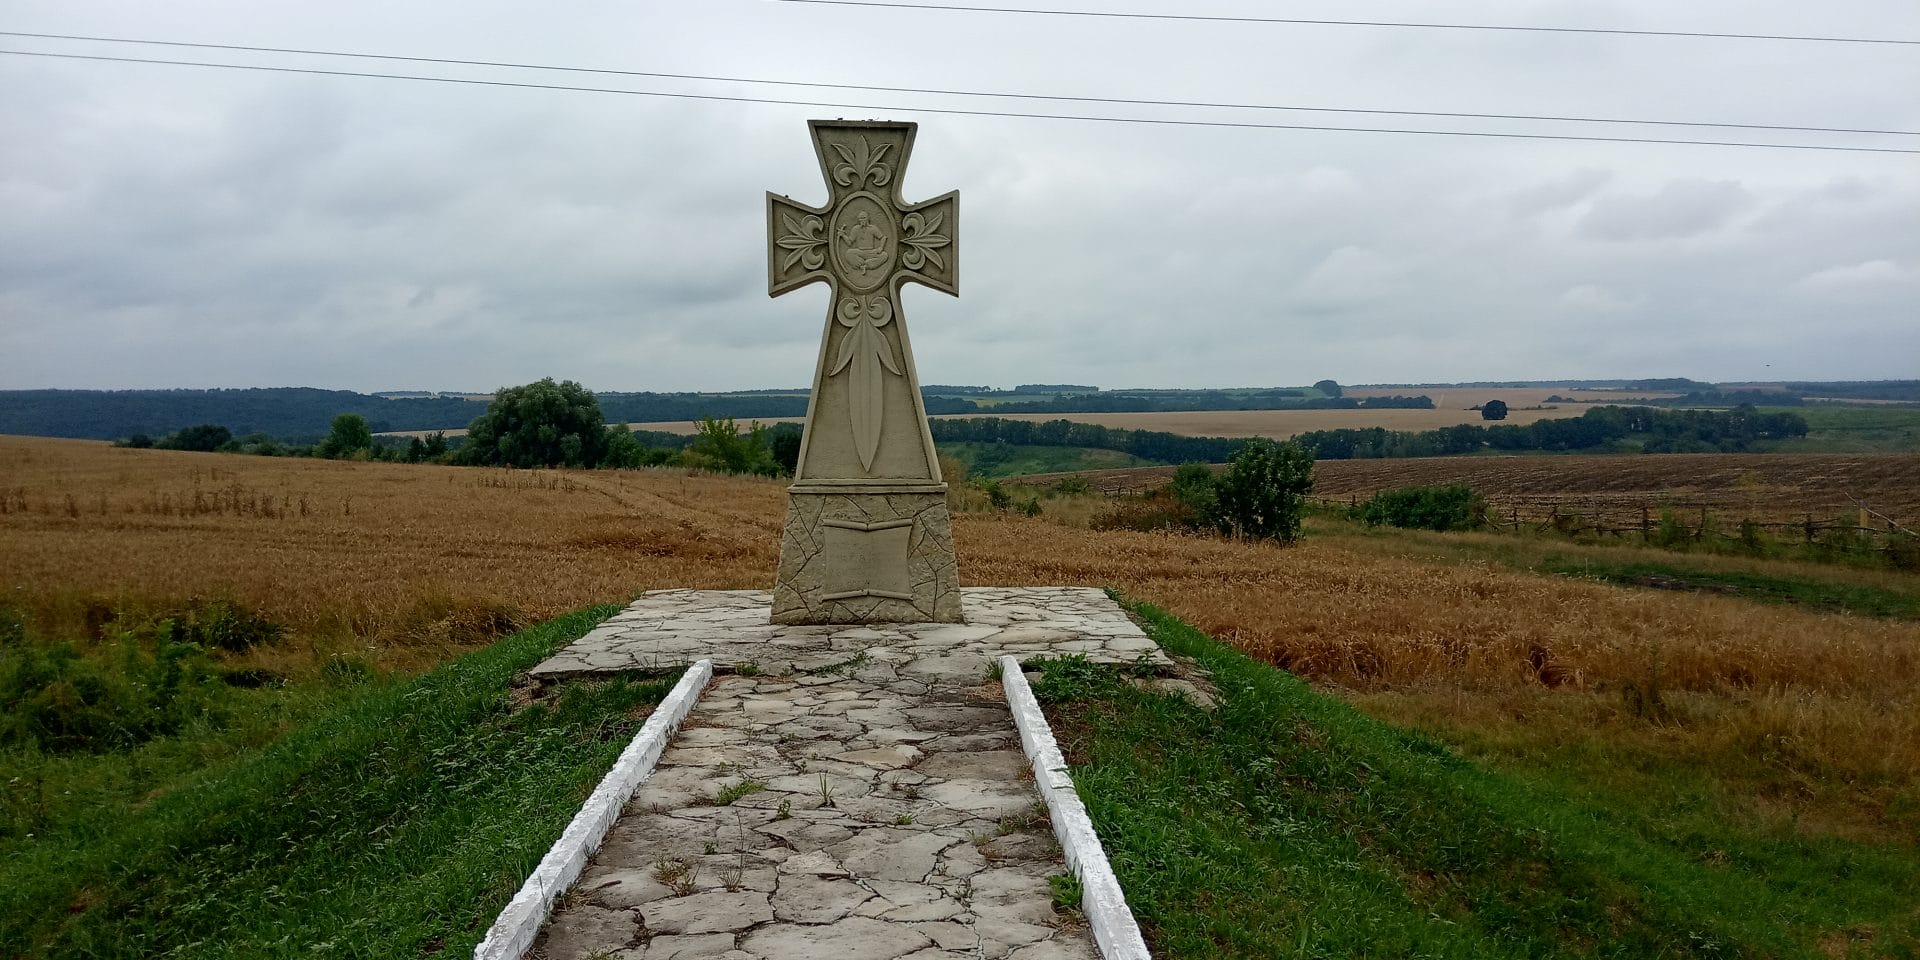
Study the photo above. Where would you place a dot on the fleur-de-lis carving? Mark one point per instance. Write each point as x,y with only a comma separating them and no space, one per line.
866,351
862,164
802,239
922,239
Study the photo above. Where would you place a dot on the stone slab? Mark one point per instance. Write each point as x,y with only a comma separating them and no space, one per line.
666,629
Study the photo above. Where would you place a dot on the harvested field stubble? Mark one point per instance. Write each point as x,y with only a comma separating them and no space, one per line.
389,557
1762,486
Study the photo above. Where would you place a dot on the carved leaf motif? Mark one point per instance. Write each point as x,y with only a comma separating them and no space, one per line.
864,353
921,239
802,240
861,164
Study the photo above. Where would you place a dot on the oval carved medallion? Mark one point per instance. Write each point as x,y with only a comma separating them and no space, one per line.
863,242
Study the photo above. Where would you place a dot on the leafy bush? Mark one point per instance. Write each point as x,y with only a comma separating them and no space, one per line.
203,438
1453,506
1493,410
57,700
1195,486
720,446
1264,490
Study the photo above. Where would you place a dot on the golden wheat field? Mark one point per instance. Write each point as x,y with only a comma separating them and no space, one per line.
390,558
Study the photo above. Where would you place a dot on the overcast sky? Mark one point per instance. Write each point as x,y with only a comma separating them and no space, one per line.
165,226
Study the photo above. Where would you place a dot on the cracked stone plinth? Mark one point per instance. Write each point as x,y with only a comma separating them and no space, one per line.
668,629
852,558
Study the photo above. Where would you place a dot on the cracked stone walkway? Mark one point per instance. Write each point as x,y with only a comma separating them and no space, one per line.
870,802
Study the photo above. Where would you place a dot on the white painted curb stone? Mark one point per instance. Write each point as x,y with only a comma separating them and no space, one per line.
513,932
1106,908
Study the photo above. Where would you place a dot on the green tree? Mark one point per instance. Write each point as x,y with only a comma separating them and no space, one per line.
203,438
436,445
350,435
1328,387
1493,410
541,424
1264,489
720,446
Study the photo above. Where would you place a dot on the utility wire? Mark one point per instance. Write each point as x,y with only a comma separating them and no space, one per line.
1353,23
956,93
953,111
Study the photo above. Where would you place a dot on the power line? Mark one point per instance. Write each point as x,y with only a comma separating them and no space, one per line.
1114,15
951,92
954,111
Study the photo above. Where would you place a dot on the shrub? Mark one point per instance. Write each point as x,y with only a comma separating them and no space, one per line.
721,447
1493,410
203,438
61,702
1195,486
1452,506
1263,491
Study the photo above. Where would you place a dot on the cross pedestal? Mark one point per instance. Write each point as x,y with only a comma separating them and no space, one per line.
867,537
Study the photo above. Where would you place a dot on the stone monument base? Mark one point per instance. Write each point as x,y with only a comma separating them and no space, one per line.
863,552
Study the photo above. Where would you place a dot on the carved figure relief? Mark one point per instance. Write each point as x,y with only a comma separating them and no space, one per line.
863,242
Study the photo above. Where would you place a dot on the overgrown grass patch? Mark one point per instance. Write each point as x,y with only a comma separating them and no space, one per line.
1286,823
1825,596
395,824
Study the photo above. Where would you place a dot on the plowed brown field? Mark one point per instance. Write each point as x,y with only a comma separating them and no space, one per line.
1772,486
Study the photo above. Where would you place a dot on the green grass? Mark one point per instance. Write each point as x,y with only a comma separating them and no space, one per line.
989,460
1824,596
1835,429
1288,824
395,824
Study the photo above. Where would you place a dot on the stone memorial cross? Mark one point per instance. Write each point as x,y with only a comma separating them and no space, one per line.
867,536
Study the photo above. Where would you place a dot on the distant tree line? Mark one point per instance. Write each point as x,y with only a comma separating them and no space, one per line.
540,424
1660,431
1195,400
1145,444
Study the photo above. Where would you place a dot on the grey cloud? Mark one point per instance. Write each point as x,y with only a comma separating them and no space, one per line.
1681,208
1559,192
170,227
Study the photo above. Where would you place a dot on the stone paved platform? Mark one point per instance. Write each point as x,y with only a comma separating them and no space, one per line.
860,795
668,629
